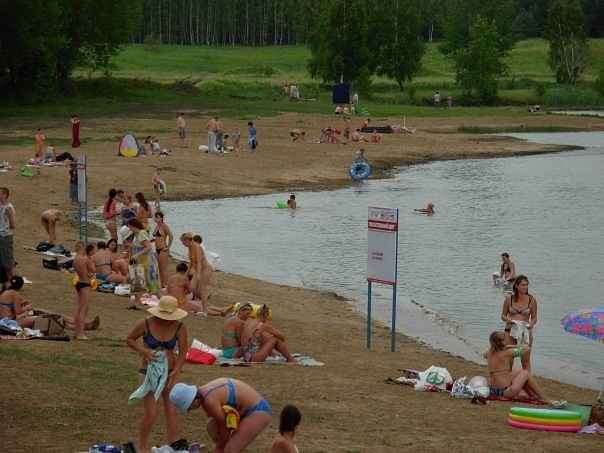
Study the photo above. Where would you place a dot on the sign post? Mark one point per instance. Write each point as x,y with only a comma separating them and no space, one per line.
83,199
382,260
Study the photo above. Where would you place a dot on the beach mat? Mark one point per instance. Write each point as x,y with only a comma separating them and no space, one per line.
303,360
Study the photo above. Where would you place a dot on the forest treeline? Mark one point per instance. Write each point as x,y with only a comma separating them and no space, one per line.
285,22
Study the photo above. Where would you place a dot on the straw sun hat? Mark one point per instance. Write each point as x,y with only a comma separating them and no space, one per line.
168,309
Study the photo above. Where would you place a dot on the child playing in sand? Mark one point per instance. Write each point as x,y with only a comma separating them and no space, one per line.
236,140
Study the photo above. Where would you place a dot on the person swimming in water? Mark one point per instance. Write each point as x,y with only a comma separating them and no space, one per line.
428,210
291,203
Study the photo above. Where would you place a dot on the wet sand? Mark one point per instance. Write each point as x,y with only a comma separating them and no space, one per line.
346,405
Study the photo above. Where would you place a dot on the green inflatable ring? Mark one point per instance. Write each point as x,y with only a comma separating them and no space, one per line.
545,413
281,205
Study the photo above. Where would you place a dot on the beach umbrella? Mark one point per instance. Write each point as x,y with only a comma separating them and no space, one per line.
588,322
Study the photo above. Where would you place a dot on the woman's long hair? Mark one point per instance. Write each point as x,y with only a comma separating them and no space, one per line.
112,195
142,201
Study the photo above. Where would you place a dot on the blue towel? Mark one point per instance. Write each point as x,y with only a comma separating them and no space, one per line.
10,324
155,379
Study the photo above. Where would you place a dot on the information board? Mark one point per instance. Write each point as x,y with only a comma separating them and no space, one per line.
382,245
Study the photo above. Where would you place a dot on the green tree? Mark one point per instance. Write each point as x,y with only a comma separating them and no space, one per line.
29,41
466,19
339,47
396,35
565,31
480,63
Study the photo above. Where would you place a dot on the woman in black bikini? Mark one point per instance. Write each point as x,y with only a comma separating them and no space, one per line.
519,312
162,237
507,270
85,270
162,332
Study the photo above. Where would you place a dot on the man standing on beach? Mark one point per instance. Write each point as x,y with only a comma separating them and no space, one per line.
212,135
39,137
252,141
181,125
7,228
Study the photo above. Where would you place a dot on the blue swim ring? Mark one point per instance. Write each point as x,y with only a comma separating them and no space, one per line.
359,171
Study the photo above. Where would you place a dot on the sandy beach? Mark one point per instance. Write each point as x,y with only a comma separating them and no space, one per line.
64,397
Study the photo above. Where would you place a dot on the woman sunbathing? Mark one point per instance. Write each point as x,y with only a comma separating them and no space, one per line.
504,382
232,330
259,338
15,307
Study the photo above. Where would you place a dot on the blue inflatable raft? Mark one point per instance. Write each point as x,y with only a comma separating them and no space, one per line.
359,171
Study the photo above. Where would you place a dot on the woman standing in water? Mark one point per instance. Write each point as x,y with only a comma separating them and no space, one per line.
163,238
519,312
508,269
200,271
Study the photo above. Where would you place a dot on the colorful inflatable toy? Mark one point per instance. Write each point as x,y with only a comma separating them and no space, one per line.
281,205
544,419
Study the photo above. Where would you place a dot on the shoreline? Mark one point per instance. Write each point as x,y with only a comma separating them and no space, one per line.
96,377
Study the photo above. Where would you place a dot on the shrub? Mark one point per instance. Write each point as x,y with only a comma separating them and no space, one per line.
599,84
151,43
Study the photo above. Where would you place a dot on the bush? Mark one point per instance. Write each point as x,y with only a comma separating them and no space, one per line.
540,90
599,84
411,93
573,96
151,43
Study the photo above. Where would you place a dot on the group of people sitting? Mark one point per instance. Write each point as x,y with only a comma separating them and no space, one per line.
153,148
249,334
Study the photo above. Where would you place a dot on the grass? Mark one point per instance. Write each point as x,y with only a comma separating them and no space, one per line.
244,82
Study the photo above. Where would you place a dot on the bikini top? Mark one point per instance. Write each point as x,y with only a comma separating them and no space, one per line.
524,312
153,343
157,233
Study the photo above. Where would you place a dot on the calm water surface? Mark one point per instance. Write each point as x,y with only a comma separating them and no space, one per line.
547,211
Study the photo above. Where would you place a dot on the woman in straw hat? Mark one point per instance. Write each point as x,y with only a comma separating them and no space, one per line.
161,332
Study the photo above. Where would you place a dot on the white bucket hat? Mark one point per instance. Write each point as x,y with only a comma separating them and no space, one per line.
182,395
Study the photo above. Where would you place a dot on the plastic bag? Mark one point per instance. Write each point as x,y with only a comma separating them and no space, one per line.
434,379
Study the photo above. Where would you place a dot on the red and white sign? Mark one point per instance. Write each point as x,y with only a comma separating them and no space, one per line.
382,245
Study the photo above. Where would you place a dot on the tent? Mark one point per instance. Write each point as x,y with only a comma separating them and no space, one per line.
129,146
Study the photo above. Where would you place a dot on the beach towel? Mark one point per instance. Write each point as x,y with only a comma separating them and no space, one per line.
155,379
302,360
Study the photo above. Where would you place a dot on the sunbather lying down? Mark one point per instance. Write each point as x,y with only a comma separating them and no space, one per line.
13,306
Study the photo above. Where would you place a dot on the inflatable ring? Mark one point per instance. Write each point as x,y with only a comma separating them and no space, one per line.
545,421
94,283
359,171
567,429
545,413
281,205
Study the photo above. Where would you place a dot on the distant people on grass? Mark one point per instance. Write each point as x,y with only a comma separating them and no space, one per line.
519,312
436,99
289,420
49,219
75,131
236,412
357,137
212,128
162,333
428,210
181,127
252,139
236,136
7,230
219,136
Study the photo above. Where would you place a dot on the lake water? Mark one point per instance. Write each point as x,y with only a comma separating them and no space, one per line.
547,211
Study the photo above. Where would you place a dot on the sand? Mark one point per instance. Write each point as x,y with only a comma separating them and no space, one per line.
66,396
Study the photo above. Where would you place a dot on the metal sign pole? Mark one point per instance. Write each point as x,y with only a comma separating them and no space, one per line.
393,324
368,314
83,198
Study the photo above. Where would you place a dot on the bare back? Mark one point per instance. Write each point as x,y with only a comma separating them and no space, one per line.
178,287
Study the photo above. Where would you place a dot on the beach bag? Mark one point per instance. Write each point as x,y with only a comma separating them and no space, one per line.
43,246
200,357
26,171
50,325
50,263
136,276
